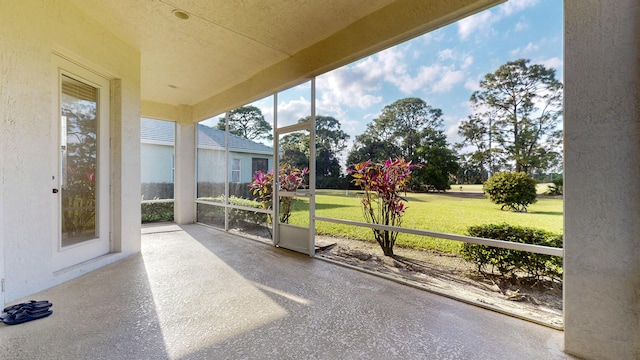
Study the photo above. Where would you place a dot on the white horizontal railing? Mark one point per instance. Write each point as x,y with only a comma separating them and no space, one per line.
155,201
232,206
293,194
538,249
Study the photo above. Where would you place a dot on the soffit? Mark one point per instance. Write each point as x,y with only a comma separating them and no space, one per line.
224,42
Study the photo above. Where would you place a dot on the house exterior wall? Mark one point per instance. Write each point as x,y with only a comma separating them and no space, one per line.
212,161
602,168
211,165
247,164
156,163
31,32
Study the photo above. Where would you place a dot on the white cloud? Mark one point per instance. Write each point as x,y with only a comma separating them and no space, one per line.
352,86
266,107
289,112
554,63
479,22
448,80
446,54
389,66
466,62
267,113
521,26
408,85
370,116
433,78
359,85
531,47
482,22
434,36
527,51
351,126
472,84
514,6
452,131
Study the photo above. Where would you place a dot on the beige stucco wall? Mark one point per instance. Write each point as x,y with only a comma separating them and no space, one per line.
602,169
31,31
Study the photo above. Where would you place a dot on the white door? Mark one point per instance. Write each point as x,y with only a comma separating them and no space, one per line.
83,166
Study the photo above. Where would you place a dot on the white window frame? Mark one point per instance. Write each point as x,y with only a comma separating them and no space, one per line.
237,170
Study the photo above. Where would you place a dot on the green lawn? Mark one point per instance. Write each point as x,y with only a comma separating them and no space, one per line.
447,213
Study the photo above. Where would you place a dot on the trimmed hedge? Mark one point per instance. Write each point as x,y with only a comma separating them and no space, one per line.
157,210
509,262
237,218
162,210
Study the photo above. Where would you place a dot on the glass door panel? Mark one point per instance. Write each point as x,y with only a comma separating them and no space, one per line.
79,161
294,178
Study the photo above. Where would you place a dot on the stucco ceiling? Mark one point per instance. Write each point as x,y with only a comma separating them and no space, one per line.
225,43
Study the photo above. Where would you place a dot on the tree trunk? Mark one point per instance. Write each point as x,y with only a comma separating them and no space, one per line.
383,237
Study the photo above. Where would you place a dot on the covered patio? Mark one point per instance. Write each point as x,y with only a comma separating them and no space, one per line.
198,293
184,294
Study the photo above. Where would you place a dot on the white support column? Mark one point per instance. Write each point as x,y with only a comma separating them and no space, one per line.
602,173
125,171
185,167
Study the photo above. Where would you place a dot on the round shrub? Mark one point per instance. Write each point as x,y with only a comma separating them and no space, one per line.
514,190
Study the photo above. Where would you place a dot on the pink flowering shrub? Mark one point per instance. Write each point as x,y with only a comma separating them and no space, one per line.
262,186
381,200
289,179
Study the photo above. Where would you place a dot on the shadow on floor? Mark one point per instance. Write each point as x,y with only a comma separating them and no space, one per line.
199,293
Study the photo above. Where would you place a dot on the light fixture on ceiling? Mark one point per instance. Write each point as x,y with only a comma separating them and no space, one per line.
181,14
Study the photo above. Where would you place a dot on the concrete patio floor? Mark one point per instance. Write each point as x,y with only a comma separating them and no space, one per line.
199,293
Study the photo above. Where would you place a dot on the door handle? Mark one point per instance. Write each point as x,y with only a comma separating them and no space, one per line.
55,191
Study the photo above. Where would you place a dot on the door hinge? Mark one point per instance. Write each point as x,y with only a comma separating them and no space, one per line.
1,285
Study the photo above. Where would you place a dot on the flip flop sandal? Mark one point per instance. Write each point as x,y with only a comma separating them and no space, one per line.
25,315
44,304
13,311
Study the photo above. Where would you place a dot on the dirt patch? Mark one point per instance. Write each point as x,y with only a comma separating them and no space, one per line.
448,274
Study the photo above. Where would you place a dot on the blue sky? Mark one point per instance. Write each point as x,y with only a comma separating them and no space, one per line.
442,67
